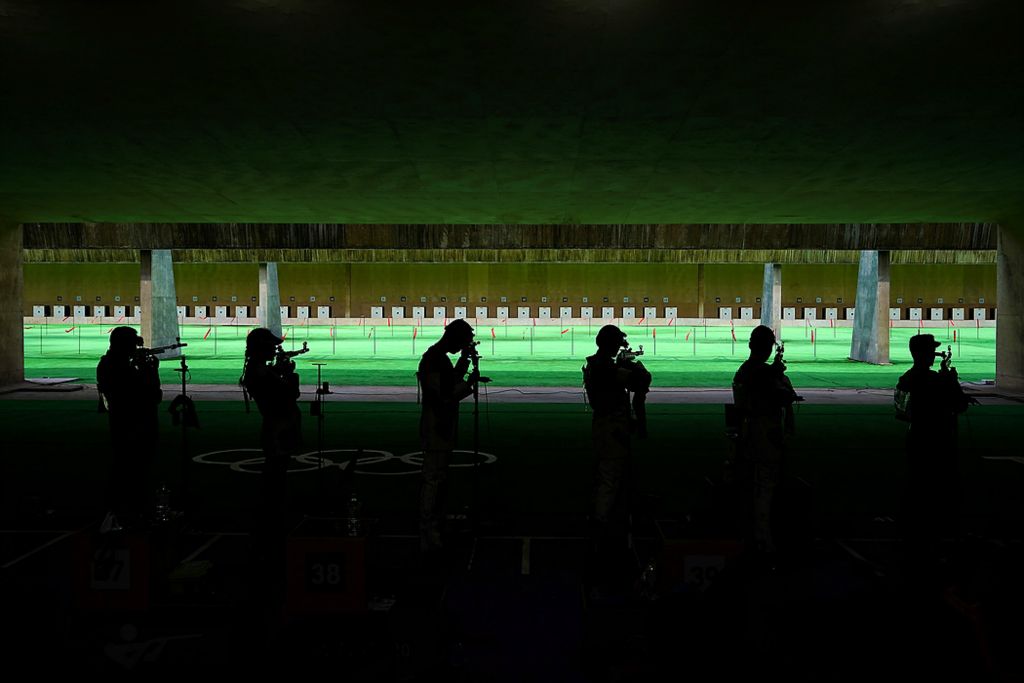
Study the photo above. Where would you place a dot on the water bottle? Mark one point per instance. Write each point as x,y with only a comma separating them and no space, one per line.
354,517
163,504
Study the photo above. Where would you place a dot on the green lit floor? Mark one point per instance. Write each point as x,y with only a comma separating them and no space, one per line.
517,356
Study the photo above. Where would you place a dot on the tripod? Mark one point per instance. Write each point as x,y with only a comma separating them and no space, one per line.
475,359
183,414
317,410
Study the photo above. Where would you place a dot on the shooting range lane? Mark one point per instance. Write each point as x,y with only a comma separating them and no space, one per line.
853,455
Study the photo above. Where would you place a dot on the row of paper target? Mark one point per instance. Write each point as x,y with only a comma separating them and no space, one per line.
362,461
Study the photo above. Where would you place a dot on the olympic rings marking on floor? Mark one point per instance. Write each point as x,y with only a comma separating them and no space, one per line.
312,459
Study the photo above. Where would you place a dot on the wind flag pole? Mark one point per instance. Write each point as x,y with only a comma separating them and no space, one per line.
492,341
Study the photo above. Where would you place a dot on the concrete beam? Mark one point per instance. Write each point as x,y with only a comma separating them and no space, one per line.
158,300
871,320
269,310
12,330
563,238
771,298
1010,318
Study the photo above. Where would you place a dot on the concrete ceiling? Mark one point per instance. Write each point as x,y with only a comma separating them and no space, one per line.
600,111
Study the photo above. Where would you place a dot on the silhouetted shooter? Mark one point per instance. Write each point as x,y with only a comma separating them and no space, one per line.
443,386
608,377
129,383
764,399
931,402
269,377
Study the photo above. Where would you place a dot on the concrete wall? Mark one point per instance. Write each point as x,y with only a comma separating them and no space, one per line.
357,287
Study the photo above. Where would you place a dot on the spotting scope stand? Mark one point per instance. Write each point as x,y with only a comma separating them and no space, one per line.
183,400
318,410
476,441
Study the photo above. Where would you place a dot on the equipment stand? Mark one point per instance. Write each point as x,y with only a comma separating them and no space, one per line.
183,400
317,409
476,441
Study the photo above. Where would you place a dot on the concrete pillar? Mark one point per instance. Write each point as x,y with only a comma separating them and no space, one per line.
871,320
269,310
700,290
771,298
1010,314
348,291
158,301
12,322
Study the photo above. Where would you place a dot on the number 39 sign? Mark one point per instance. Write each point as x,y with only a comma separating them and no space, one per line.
702,570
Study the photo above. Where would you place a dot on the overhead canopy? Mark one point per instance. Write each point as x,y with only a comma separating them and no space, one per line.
601,111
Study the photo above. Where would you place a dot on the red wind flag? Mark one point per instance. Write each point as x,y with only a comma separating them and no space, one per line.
952,323
389,322
954,336
332,331
733,334
284,335
812,335
414,330
641,321
565,330
208,330
492,333
70,329
671,321
654,332
687,337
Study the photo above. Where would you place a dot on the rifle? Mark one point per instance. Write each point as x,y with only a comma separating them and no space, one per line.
281,356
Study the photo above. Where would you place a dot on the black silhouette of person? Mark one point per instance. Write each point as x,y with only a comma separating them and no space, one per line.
608,377
763,396
443,386
270,379
128,380
930,401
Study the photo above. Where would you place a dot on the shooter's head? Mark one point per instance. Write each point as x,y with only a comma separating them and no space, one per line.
922,349
457,336
610,339
261,344
762,341
124,340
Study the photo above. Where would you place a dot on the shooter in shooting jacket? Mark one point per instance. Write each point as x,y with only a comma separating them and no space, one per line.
443,386
608,377
269,377
128,380
930,401
764,399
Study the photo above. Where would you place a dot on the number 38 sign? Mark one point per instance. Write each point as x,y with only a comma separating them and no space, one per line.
326,574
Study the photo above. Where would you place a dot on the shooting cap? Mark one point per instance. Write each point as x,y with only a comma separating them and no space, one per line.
261,337
458,326
923,344
610,335
124,339
762,336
